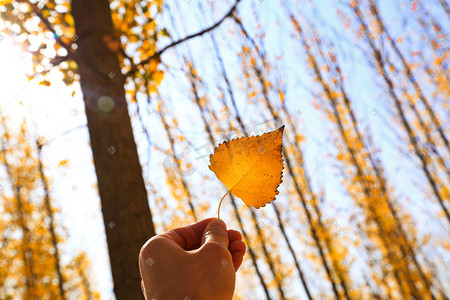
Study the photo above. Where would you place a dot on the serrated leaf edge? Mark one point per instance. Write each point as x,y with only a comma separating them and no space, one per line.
247,137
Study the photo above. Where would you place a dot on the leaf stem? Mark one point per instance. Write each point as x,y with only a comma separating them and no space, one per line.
220,203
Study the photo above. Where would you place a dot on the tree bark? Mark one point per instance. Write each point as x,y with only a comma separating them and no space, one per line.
126,213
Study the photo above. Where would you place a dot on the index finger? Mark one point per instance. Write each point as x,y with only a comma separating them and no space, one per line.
189,236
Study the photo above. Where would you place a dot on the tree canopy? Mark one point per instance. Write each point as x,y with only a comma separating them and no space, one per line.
145,91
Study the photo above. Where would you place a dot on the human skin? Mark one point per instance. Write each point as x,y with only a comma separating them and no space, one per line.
198,261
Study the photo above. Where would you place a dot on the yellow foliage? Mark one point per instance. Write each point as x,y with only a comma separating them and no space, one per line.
281,96
27,240
251,167
158,77
63,163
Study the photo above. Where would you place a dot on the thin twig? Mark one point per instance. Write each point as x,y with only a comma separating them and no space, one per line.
160,52
49,26
58,59
62,134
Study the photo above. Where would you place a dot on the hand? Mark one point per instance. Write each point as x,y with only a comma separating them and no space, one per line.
198,261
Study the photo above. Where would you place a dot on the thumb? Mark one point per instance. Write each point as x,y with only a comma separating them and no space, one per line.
216,232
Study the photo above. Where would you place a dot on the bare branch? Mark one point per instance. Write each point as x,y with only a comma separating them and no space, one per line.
208,29
45,143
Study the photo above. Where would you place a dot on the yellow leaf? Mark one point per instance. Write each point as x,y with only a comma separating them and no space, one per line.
63,163
158,77
250,167
45,82
153,65
281,96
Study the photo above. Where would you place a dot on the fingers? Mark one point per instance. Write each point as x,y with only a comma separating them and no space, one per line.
190,236
216,232
237,249
206,231
234,235
237,246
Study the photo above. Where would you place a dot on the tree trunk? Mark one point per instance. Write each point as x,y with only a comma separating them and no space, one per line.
126,213
51,228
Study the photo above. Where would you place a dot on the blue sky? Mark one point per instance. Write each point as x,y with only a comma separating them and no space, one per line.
55,112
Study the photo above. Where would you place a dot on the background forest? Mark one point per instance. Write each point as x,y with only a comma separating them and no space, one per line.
109,111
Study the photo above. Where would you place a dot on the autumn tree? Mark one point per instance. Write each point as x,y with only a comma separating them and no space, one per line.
361,87
96,53
31,235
